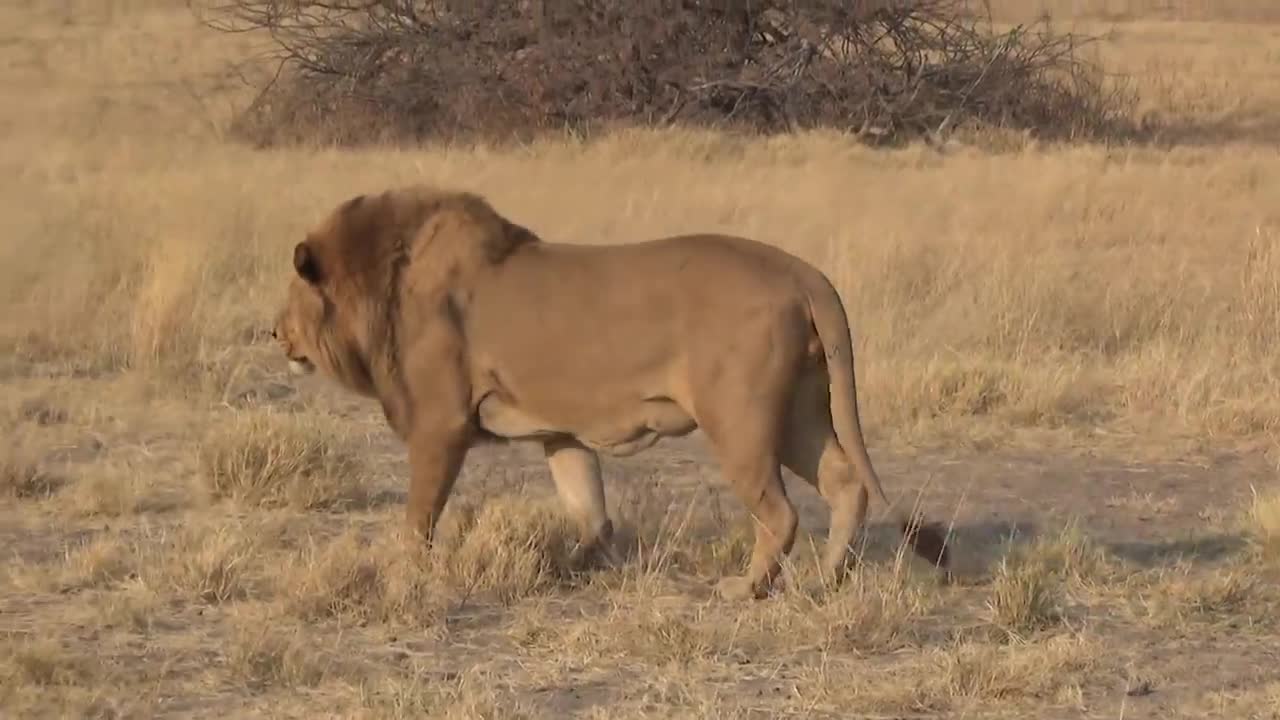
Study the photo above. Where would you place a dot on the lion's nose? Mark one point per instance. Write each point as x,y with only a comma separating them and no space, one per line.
273,334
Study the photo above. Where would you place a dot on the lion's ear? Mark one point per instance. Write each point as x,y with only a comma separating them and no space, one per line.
304,261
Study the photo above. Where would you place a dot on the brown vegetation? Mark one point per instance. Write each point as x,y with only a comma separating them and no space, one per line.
886,71
272,459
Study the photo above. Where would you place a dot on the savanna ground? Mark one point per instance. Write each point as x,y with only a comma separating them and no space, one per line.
1067,353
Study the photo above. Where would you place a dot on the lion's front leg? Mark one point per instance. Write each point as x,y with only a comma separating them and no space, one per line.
575,469
435,458
438,431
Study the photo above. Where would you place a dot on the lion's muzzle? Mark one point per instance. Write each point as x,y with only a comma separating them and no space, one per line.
301,367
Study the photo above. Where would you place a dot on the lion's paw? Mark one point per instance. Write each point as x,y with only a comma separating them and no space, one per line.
584,558
738,588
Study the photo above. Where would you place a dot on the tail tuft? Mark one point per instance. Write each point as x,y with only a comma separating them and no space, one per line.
928,541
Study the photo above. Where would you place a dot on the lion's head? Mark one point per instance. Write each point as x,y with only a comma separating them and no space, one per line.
300,326
342,304
316,327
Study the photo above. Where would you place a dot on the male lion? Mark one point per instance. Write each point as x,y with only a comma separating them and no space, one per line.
468,327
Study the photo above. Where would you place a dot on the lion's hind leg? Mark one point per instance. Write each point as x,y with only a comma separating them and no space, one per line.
812,452
740,400
748,455
758,483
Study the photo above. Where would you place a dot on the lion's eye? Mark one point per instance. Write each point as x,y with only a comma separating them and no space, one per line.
273,334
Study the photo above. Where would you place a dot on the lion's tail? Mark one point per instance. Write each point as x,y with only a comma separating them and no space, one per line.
833,330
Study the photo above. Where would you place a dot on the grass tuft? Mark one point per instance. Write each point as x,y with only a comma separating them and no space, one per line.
272,459
352,580
985,672
263,654
469,695
1025,598
1262,524
509,547
1029,589
1182,596
43,663
113,493
22,474
102,562
204,561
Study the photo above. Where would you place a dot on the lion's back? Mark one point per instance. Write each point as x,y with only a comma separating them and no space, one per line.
635,303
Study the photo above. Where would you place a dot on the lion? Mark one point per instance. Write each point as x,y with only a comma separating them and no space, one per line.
469,328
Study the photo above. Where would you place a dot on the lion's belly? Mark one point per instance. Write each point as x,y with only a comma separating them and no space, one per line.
624,432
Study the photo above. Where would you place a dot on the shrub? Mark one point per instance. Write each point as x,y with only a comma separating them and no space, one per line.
886,70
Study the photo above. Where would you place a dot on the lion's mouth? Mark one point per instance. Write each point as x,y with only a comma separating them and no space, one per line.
301,366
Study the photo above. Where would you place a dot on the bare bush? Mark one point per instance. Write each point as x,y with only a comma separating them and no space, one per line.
886,70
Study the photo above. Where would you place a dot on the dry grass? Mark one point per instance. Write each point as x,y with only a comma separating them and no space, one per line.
272,459
1034,583
204,560
1051,671
511,547
134,607
43,663
1262,523
112,491
1129,10
38,676
1024,598
468,695
507,550
104,560
22,475
352,580
1254,702
1012,303
262,654
881,611
1181,596
981,330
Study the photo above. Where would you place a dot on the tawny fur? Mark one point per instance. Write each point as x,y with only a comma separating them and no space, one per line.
468,327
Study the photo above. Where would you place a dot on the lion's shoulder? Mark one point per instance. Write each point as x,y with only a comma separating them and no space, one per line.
453,222
483,227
